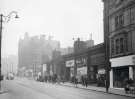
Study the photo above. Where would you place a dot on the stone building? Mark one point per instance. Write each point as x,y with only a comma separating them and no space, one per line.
119,26
96,64
88,62
35,51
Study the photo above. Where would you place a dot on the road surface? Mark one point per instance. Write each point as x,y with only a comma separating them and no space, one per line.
28,89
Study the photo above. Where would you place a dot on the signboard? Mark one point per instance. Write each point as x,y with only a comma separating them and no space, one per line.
123,61
81,62
101,71
70,63
82,71
44,67
71,72
51,70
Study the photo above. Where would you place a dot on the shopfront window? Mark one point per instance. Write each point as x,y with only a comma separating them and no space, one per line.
120,75
134,73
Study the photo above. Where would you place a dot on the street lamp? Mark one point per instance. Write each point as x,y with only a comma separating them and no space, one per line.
107,45
5,19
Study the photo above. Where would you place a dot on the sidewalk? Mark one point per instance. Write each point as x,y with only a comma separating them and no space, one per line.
3,91
101,89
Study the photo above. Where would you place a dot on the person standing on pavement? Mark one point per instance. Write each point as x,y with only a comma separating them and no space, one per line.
75,81
86,81
82,80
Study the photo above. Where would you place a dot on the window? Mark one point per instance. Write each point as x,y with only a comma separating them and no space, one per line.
117,46
121,45
112,47
116,22
119,21
133,15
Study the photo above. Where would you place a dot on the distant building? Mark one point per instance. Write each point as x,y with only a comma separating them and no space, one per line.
89,43
55,66
65,51
88,62
35,51
9,64
80,45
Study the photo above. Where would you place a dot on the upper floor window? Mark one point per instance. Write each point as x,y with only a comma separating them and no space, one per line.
119,21
133,15
112,46
116,21
119,45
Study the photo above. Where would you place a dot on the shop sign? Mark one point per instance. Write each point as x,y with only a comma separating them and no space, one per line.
71,72
101,71
44,67
81,62
123,61
70,63
51,70
82,71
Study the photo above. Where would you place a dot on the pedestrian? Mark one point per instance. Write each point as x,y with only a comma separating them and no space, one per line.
63,79
75,81
86,81
82,80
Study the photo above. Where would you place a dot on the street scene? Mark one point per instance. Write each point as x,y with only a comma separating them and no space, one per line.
67,49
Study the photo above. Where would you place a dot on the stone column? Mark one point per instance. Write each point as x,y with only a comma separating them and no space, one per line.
131,72
111,78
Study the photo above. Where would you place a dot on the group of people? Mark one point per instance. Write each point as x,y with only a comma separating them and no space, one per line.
58,79
52,79
128,84
83,80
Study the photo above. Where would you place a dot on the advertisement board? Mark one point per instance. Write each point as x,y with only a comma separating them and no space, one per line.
70,63
82,71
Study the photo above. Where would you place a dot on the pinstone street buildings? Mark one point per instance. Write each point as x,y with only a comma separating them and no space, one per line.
119,26
33,52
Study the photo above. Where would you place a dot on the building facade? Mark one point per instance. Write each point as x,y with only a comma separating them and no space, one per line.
96,64
88,62
35,51
119,25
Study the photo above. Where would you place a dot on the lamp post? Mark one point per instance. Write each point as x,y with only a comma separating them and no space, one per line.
107,43
4,19
75,65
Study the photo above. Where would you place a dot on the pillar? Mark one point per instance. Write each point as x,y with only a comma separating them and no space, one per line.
111,78
131,72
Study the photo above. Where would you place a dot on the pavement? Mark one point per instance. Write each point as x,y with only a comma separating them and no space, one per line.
116,91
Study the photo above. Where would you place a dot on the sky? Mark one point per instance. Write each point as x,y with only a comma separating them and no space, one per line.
62,19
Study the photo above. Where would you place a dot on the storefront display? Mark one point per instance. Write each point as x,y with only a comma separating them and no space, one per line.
122,69
81,72
120,75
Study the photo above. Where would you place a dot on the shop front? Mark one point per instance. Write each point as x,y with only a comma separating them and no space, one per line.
70,68
122,68
101,77
120,75
82,71
81,64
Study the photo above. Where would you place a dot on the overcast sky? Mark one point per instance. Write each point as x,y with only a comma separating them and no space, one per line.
63,19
